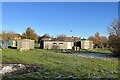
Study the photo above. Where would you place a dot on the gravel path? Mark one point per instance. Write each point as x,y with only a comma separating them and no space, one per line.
96,55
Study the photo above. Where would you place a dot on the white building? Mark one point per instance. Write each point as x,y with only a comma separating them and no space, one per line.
49,44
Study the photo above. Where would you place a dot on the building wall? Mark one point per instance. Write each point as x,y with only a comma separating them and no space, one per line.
57,45
86,44
70,45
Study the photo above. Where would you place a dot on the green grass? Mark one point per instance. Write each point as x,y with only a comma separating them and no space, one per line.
97,50
59,64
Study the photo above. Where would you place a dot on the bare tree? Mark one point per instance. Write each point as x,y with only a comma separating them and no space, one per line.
114,37
114,28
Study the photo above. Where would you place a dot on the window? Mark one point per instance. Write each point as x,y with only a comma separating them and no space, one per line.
60,43
54,43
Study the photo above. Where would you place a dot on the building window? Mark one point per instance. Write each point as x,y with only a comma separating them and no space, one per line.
54,43
60,43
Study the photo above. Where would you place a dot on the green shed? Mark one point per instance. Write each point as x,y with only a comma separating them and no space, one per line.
25,44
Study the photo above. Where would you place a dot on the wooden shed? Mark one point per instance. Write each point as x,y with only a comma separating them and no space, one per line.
25,43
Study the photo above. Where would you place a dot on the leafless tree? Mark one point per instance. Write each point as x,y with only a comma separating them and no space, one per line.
114,37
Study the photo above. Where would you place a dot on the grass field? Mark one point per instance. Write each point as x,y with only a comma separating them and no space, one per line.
59,64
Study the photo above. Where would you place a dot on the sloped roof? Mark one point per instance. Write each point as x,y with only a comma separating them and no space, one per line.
45,36
69,38
17,35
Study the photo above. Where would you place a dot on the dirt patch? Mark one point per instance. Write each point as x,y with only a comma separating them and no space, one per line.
8,70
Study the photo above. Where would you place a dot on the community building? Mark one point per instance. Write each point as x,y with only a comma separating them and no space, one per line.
65,43
45,37
50,44
47,42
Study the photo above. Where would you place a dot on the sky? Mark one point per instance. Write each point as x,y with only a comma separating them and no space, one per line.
81,19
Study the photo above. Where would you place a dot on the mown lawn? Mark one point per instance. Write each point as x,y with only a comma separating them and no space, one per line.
61,64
